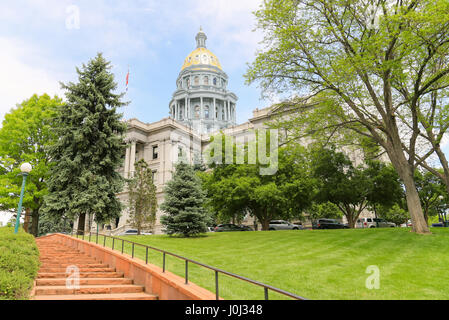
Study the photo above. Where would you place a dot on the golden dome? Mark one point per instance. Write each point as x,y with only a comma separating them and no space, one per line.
201,56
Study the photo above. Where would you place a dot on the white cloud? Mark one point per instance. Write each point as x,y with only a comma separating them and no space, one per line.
19,79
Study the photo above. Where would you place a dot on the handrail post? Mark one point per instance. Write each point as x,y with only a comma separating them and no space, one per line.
90,233
266,293
123,243
104,240
113,240
146,256
83,235
163,262
187,271
132,255
216,286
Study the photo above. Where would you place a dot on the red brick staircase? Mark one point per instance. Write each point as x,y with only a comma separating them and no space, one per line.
55,281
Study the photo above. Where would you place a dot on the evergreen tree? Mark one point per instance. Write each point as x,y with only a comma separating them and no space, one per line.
84,178
184,203
142,198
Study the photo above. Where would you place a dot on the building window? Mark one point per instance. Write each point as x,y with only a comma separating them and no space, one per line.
215,81
197,112
179,152
154,152
206,80
196,80
154,172
206,112
188,82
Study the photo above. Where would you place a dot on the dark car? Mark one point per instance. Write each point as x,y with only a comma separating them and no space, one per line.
230,227
328,224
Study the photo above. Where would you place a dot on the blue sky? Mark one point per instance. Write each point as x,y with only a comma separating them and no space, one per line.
42,44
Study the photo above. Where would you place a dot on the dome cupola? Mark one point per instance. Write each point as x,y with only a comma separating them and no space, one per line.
201,100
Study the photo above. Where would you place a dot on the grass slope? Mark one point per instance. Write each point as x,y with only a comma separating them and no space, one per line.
19,263
315,264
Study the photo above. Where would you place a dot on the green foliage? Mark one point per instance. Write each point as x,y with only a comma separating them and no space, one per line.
25,136
19,263
184,203
235,189
84,177
50,224
352,189
395,214
324,210
142,198
430,189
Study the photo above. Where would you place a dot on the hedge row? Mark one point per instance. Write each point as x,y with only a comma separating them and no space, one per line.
19,263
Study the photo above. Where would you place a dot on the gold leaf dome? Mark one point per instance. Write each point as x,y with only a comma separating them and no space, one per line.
203,58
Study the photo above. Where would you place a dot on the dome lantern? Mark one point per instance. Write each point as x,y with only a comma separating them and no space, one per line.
201,39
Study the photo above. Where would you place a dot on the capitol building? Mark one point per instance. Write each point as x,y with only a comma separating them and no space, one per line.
200,107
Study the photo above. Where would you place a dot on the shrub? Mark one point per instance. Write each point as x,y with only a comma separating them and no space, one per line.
19,263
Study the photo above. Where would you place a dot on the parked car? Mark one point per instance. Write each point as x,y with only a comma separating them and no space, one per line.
283,225
229,227
374,223
247,228
210,229
328,224
439,224
131,232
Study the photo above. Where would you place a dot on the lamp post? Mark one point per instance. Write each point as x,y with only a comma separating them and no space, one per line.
26,169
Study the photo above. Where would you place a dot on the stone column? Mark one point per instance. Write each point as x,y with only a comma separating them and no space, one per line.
201,109
126,172
186,109
132,157
215,112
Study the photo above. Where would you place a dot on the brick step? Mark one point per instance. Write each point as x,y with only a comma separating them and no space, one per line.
58,256
89,289
113,296
84,281
79,265
89,269
81,275
68,260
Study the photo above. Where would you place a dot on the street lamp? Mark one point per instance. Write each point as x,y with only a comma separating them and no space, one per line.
26,169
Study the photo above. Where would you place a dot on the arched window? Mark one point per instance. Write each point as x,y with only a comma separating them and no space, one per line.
206,80
196,80
215,81
197,112
188,82
206,112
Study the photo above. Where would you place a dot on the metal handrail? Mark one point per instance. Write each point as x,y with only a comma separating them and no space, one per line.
187,261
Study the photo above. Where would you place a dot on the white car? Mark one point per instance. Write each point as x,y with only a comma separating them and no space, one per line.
283,225
133,232
374,223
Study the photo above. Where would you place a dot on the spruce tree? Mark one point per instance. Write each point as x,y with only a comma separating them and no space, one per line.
142,198
184,203
84,178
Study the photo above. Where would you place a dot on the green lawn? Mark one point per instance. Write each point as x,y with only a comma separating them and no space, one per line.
315,264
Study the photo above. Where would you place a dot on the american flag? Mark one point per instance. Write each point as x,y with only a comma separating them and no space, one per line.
127,80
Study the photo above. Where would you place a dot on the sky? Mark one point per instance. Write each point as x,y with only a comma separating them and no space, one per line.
43,41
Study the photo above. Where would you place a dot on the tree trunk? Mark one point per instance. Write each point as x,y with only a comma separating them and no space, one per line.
419,224
35,223
26,223
265,224
81,223
406,172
